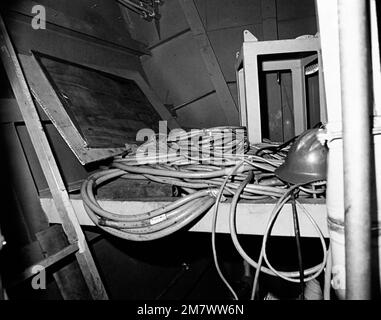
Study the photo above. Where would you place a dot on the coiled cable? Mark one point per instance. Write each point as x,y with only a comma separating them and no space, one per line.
205,183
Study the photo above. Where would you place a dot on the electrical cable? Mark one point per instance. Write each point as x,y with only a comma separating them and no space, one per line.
298,243
286,275
275,212
276,148
214,224
277,209
205,183
125,223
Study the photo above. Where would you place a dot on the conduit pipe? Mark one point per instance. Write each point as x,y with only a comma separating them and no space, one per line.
356,93
329,38
376,244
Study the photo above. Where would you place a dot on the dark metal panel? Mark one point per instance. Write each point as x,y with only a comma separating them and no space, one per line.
66,47
176,71
269,20
227,42
201,7
203,113
290,29
172,21
293,9
227,13
227,104
101,19
295,19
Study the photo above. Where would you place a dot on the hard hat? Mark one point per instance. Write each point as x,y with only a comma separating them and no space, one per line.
306,160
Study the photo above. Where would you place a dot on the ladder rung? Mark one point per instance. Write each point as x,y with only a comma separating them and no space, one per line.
47,262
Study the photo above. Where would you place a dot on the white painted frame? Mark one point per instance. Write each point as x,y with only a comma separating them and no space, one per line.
247,71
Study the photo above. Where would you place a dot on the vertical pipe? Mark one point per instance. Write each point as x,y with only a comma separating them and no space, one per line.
376,63
356,87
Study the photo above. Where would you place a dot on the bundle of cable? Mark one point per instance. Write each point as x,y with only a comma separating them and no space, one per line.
219,145
197,162
199,179
204,182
